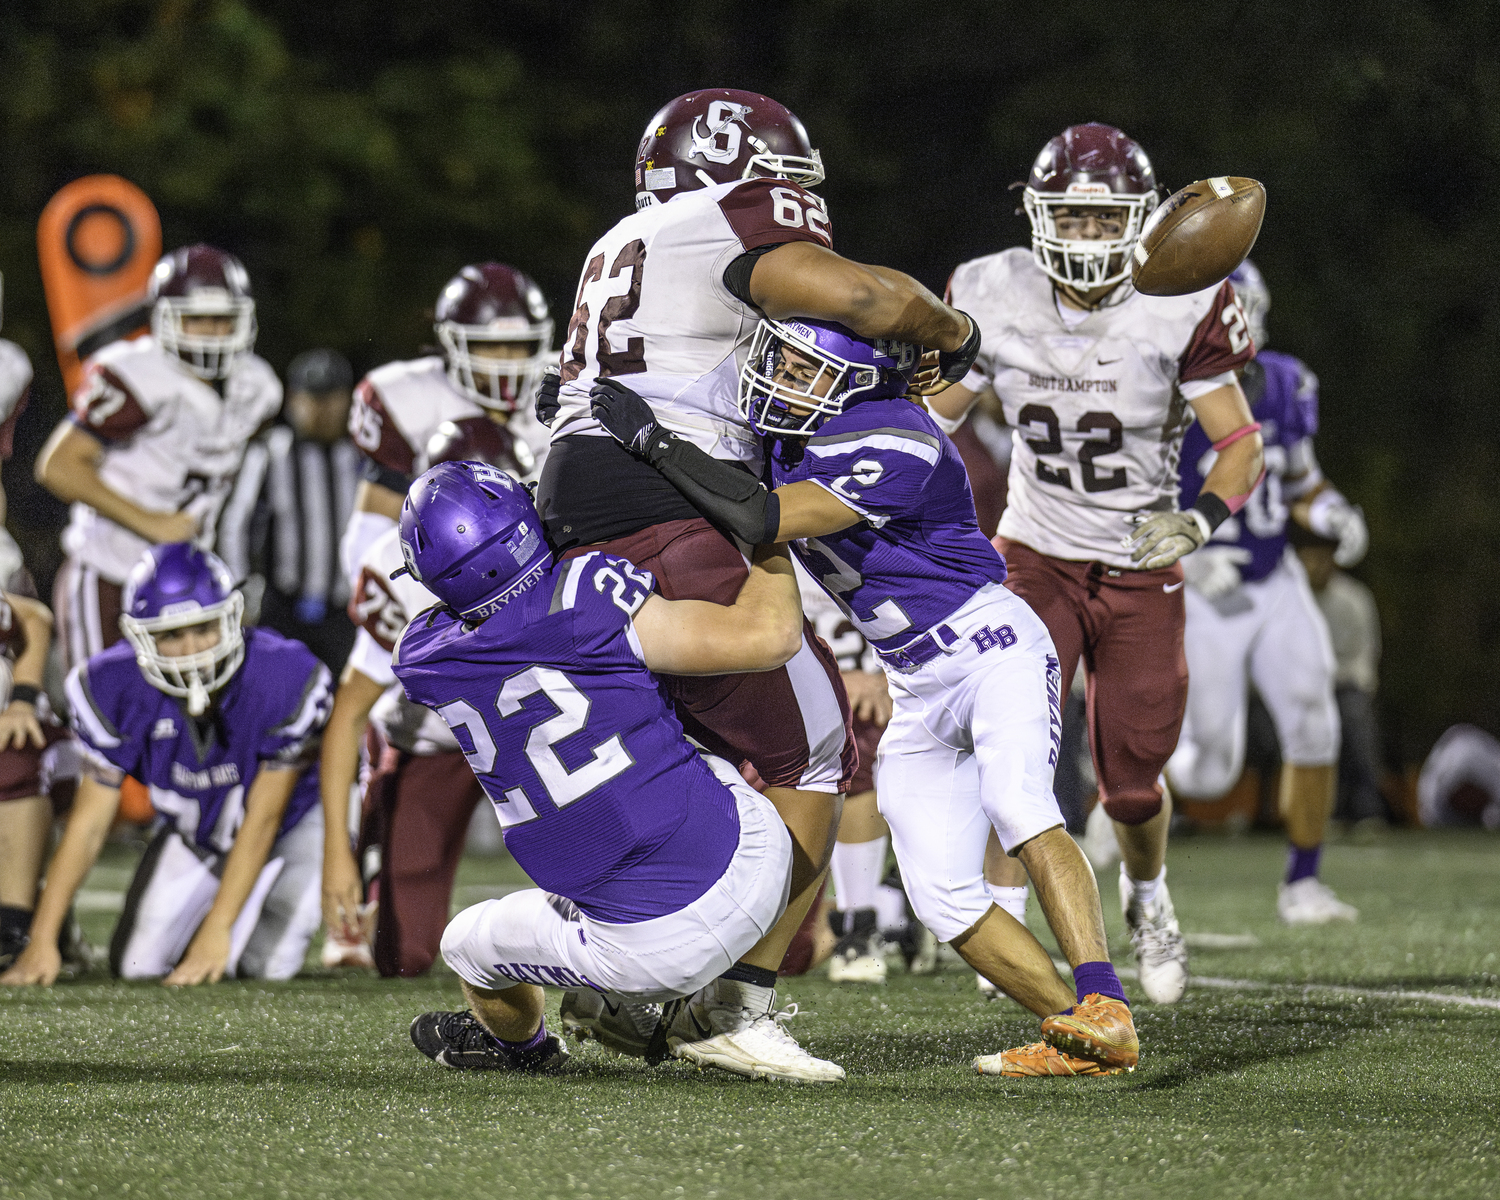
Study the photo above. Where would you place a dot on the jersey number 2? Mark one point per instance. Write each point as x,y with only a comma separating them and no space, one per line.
1096,423
563,786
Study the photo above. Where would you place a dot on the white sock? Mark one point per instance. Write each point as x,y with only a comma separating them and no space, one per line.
1011,899
1145,890
890,909
857,869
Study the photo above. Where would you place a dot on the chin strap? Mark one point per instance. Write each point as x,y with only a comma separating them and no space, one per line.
197,698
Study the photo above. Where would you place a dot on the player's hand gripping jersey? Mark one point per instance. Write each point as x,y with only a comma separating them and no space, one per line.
919,555
1095,405
380,607
652,304
1283,397
197,771
579,750
171,442
399,406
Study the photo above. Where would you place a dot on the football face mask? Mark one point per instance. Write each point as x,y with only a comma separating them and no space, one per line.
496,369
194,676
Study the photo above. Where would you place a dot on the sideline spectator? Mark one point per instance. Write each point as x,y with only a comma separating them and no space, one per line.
280,530
1354,627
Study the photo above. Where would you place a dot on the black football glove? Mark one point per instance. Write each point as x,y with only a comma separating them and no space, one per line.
627,418
953,365
546,396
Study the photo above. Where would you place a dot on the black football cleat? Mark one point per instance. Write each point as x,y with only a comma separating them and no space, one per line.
458,1041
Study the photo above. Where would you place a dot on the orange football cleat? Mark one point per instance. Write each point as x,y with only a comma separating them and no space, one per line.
1099,1029
1039,1059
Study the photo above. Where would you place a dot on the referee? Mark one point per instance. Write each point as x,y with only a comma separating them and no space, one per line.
280,529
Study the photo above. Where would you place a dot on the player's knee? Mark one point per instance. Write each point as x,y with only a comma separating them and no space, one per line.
1133,806
1313,739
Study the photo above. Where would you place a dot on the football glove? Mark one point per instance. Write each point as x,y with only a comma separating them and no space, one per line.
625,416
547,404
1332,516
1214,571
953,365
1162,538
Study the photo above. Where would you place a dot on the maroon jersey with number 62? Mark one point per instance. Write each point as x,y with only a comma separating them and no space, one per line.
652,305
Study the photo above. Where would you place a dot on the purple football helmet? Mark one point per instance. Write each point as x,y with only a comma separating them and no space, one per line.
202,281
174,587
471,536
800,372
1255,299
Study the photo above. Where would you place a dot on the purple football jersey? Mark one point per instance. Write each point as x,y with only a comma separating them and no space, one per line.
918,555
1283,397
601,797
198,770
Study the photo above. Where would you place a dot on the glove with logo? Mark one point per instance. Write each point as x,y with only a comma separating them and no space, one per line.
625,416
547,404
1214,571
1162,538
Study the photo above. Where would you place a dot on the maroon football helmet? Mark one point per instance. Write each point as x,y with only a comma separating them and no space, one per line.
718,136
496,332
1088,166
478,439
200,281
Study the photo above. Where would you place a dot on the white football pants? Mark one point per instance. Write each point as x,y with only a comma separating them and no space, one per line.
533,936
972,745
1272,633
175,885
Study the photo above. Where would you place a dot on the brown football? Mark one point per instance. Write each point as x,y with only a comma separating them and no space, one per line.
1197,236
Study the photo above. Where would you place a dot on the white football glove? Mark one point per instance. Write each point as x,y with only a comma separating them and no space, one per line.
1332,516
1214,571
1162,538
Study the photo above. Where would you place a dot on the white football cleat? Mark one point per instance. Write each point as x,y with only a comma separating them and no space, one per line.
346,952
1160,953
620,1025
730,1025
859,956
1310,901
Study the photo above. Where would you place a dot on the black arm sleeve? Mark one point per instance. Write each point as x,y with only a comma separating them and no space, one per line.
737,273
726,495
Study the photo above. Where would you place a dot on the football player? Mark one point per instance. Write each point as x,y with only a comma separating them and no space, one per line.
725,231
876,504
421,792
495,331
657,865
222,726
1251,617
1098,384
158,430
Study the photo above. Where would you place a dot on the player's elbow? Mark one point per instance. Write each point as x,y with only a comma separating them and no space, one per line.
779,640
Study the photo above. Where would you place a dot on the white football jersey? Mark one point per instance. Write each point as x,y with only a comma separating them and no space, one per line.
1095,408
399,406
381,608
171,442
652,309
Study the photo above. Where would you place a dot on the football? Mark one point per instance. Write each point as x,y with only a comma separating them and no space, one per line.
1197,236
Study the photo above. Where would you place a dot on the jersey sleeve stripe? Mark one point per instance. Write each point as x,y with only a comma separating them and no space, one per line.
875,519
565,594
97,729
907,441
312,706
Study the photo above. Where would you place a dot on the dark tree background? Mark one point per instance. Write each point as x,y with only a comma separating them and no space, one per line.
356,152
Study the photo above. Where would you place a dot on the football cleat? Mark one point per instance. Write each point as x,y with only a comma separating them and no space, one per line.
1310,901
1039,1059
1160,952
1100,1029
859,956
457,1040
731,1025
621,1026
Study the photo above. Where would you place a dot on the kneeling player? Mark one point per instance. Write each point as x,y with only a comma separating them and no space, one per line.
878,507
220,724
658,866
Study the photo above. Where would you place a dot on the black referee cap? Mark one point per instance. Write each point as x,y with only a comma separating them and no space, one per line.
319,371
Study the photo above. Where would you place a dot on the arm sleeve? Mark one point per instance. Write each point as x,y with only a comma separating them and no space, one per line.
727,495
1220,342
737,273
880,473
106,406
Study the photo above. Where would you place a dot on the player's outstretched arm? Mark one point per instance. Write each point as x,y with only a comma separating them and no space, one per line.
94,809
760,631
18,723
338,765
68,467
207,955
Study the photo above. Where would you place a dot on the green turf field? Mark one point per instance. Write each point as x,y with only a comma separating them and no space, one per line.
312,1088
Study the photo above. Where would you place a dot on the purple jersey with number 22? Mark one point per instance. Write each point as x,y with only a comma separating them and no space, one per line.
918,555
601,797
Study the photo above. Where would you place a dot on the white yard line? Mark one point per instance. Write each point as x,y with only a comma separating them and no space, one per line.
1256,985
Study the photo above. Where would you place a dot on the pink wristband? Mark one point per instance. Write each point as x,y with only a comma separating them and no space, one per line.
1242,431
1238,502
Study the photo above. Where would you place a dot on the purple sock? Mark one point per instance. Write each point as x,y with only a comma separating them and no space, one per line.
531,1043
1302,864
1100,977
